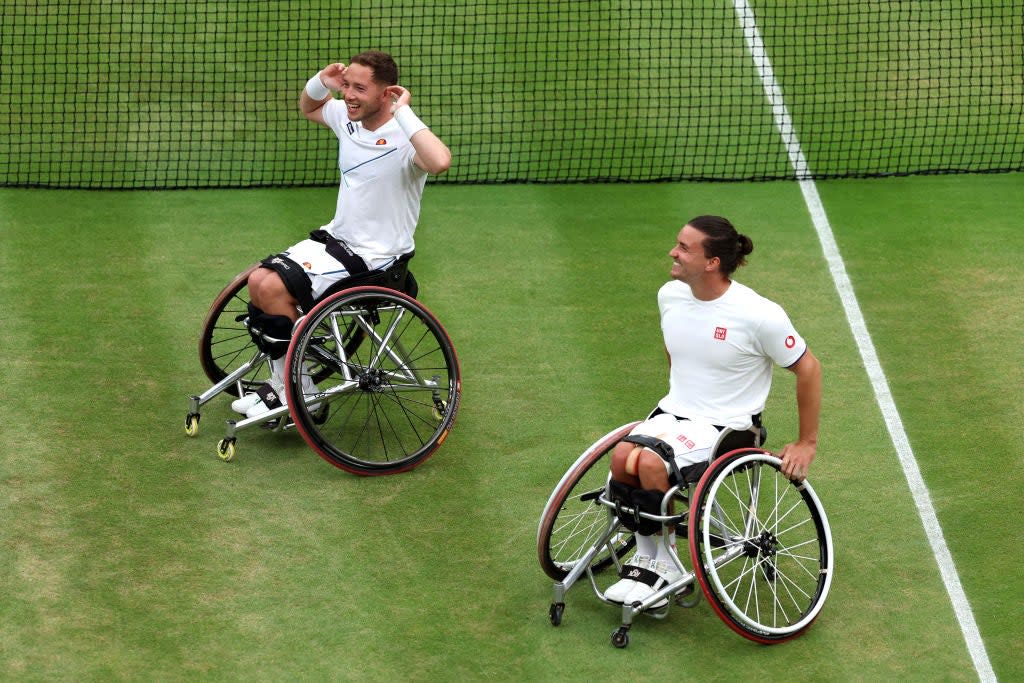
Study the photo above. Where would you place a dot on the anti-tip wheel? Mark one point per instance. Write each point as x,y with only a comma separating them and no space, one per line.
620,637
688,597
191,425
555,613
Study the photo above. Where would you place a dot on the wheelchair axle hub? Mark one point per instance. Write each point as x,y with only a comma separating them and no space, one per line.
372,380
766,544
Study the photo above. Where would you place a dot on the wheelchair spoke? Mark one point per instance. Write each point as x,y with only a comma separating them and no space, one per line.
224,342
576,533
770,578
388,375
576,526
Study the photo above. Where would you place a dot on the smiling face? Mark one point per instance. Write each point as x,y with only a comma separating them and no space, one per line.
689,263
365,98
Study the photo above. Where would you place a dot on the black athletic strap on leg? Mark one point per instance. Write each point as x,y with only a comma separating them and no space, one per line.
294,278
637,500
664,450
338,250
270,333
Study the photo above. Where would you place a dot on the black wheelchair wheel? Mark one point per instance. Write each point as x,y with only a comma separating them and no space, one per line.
387,379
224,342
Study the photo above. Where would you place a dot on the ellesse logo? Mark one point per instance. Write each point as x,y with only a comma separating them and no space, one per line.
382,141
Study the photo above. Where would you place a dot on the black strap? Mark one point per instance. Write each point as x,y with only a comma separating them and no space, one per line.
269,396
352,261
664,450
294,277
640,575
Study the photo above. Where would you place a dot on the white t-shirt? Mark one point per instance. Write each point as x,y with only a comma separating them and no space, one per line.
723,352
379,196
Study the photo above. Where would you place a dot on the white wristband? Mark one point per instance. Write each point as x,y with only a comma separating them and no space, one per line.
408,121
316,89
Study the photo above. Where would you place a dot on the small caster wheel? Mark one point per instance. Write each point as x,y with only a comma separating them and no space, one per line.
555,613
620,637
226,449
191,424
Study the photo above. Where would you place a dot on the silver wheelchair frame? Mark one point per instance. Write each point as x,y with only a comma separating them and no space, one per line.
388,378
762,551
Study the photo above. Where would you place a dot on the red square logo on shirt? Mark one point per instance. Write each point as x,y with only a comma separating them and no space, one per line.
720,333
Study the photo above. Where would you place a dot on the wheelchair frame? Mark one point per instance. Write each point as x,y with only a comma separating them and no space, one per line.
389,382
760,545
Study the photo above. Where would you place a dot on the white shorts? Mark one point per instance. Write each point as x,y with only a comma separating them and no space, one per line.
692,441
322,268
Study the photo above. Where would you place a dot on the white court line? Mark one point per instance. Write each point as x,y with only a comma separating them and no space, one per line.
922,499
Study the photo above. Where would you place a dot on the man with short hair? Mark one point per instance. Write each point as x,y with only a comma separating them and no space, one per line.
722,340
385,154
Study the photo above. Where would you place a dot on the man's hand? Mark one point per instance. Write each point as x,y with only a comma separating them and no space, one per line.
796,459
332,75
400,97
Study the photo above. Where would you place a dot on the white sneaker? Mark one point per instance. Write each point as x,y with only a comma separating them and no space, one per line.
665,572
270,396
618,591
242,405
276,397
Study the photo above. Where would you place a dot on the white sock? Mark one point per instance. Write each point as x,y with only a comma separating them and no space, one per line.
647,545
665,554
277,367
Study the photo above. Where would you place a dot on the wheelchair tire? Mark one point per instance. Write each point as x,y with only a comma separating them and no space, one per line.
388,381
224,342
761,546
573,520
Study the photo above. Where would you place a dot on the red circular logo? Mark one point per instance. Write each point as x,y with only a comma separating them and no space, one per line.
790,342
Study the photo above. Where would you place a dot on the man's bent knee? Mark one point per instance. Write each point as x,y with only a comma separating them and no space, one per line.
651,471
269,293
621,465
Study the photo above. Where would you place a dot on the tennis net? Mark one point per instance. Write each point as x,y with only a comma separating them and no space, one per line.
191,94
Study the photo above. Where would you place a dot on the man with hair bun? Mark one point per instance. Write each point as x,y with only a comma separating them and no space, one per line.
722,340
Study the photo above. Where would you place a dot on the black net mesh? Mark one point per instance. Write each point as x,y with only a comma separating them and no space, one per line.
169,93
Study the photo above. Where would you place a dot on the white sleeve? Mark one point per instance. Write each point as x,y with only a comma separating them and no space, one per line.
779,338
335,115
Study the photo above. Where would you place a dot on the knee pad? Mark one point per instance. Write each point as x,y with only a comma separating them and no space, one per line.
294,277
270,333
638,500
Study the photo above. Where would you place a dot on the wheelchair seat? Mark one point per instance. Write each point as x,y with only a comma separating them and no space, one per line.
397,276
